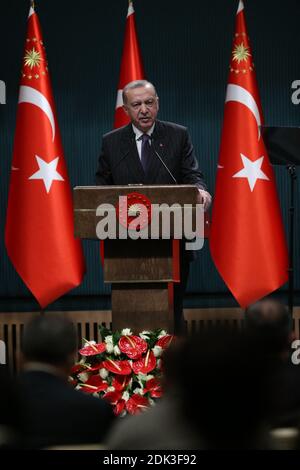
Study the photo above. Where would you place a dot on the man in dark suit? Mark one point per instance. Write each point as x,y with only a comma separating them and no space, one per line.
53,412
133,155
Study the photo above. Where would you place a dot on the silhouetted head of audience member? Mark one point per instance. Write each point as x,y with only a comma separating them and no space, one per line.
50,340
10,411
269,320
222,383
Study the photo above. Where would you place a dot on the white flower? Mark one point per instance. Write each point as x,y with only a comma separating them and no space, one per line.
138,390
125,396
149,377
162,333
130,383
110,389
108,339
141,376
103,373
82,360
123,414
145,335
152,402
109,347
126,332
78,387
157,351
83,377
95,394
117,351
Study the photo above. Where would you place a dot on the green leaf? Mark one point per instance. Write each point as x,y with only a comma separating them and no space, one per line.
116,337
104,332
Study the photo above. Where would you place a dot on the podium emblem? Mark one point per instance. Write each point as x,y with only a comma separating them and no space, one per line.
136,212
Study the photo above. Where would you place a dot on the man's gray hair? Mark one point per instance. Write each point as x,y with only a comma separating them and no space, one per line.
135,84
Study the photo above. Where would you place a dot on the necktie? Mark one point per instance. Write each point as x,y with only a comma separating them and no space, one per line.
145,152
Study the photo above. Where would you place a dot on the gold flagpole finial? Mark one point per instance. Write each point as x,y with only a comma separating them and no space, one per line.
32,3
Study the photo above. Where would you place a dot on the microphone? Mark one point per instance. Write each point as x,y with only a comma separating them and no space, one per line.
162,162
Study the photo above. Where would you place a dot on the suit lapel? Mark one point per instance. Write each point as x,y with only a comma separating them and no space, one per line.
129,148
160,144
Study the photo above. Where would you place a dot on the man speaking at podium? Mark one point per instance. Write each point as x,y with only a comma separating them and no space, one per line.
149,151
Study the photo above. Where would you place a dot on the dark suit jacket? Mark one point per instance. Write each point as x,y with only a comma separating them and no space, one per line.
119,162
285,396
56,414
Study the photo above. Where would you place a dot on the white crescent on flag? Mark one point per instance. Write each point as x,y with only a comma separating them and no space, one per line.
119,102
33,96
31,12
240,7
130,9
241,95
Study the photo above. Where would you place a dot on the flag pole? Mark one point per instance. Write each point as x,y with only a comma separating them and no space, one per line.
293,177
32,3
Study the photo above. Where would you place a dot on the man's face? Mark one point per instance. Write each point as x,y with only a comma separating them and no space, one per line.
142,107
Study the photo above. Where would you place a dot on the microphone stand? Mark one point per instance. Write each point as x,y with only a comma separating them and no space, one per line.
283,146
163,163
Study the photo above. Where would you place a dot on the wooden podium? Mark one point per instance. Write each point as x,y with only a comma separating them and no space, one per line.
141,272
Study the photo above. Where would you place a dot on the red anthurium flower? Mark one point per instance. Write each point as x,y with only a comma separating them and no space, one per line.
112,397
93,367
133,346
165,341
156,393
94,384
154,387
145,364
120,406
117,367
72,382
77,368
136,404
93,349
97,381
120,382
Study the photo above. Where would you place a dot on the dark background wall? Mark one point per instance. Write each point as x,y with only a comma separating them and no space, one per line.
186,49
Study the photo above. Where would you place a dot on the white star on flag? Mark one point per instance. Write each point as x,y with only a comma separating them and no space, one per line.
47,172
252,171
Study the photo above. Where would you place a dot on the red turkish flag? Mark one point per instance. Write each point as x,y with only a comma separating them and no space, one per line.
131,66
39,232
247,239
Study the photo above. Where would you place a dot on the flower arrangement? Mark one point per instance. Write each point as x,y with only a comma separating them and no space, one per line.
124,369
